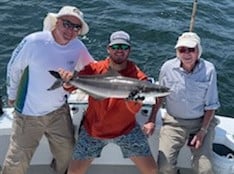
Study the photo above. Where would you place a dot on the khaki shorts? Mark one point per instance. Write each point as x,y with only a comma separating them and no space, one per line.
174,134
26,134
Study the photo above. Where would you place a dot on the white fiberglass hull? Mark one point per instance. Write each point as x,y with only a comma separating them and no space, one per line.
224,136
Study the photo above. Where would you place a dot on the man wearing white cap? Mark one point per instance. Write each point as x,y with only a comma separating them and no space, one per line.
190,107
112,120
38,111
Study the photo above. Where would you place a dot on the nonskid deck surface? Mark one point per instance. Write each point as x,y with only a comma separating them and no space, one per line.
98,169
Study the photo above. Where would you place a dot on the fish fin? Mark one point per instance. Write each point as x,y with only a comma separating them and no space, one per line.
58,83
55,74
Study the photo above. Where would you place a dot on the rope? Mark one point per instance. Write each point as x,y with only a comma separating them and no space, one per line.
193,15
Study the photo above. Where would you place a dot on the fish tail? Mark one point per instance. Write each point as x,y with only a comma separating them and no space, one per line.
58,83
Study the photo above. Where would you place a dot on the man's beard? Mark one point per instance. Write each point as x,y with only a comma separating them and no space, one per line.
119,61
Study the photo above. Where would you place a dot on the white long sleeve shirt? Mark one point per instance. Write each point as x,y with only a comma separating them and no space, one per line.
28,76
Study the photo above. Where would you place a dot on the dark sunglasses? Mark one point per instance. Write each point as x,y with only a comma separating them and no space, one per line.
69,25
186,50
120,47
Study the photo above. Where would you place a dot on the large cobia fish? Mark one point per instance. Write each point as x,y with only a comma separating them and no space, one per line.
113,85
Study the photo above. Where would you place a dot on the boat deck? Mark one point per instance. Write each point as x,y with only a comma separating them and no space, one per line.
98,169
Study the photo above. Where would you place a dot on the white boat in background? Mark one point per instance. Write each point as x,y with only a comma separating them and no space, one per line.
111,160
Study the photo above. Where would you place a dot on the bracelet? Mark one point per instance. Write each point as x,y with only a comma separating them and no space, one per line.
203,130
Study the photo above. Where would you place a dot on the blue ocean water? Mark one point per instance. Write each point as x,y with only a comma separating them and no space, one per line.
153,25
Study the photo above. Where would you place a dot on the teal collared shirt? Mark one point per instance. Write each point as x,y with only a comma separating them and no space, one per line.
191,93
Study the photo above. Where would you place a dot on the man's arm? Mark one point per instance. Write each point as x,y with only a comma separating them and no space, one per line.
15,68
208,116
200,135
149,126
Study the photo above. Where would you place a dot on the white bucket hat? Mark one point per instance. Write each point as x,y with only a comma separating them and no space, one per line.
51,18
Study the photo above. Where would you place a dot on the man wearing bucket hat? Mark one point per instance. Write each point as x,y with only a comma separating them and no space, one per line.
190,107
38,111
80,26
112,120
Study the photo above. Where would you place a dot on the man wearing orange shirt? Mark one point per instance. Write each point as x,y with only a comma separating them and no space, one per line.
112,120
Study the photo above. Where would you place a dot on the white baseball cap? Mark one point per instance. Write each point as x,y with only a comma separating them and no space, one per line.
188,39
120,37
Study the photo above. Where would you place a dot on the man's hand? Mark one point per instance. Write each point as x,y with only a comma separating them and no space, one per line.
149,128
198,139
66,76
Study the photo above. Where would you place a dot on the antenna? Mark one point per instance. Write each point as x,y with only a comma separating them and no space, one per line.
193,15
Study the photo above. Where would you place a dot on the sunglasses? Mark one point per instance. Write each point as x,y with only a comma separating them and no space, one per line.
186,50
120,47
69,25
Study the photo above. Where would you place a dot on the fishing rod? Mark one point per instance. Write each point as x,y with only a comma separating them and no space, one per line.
193,16
191,21
1,106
